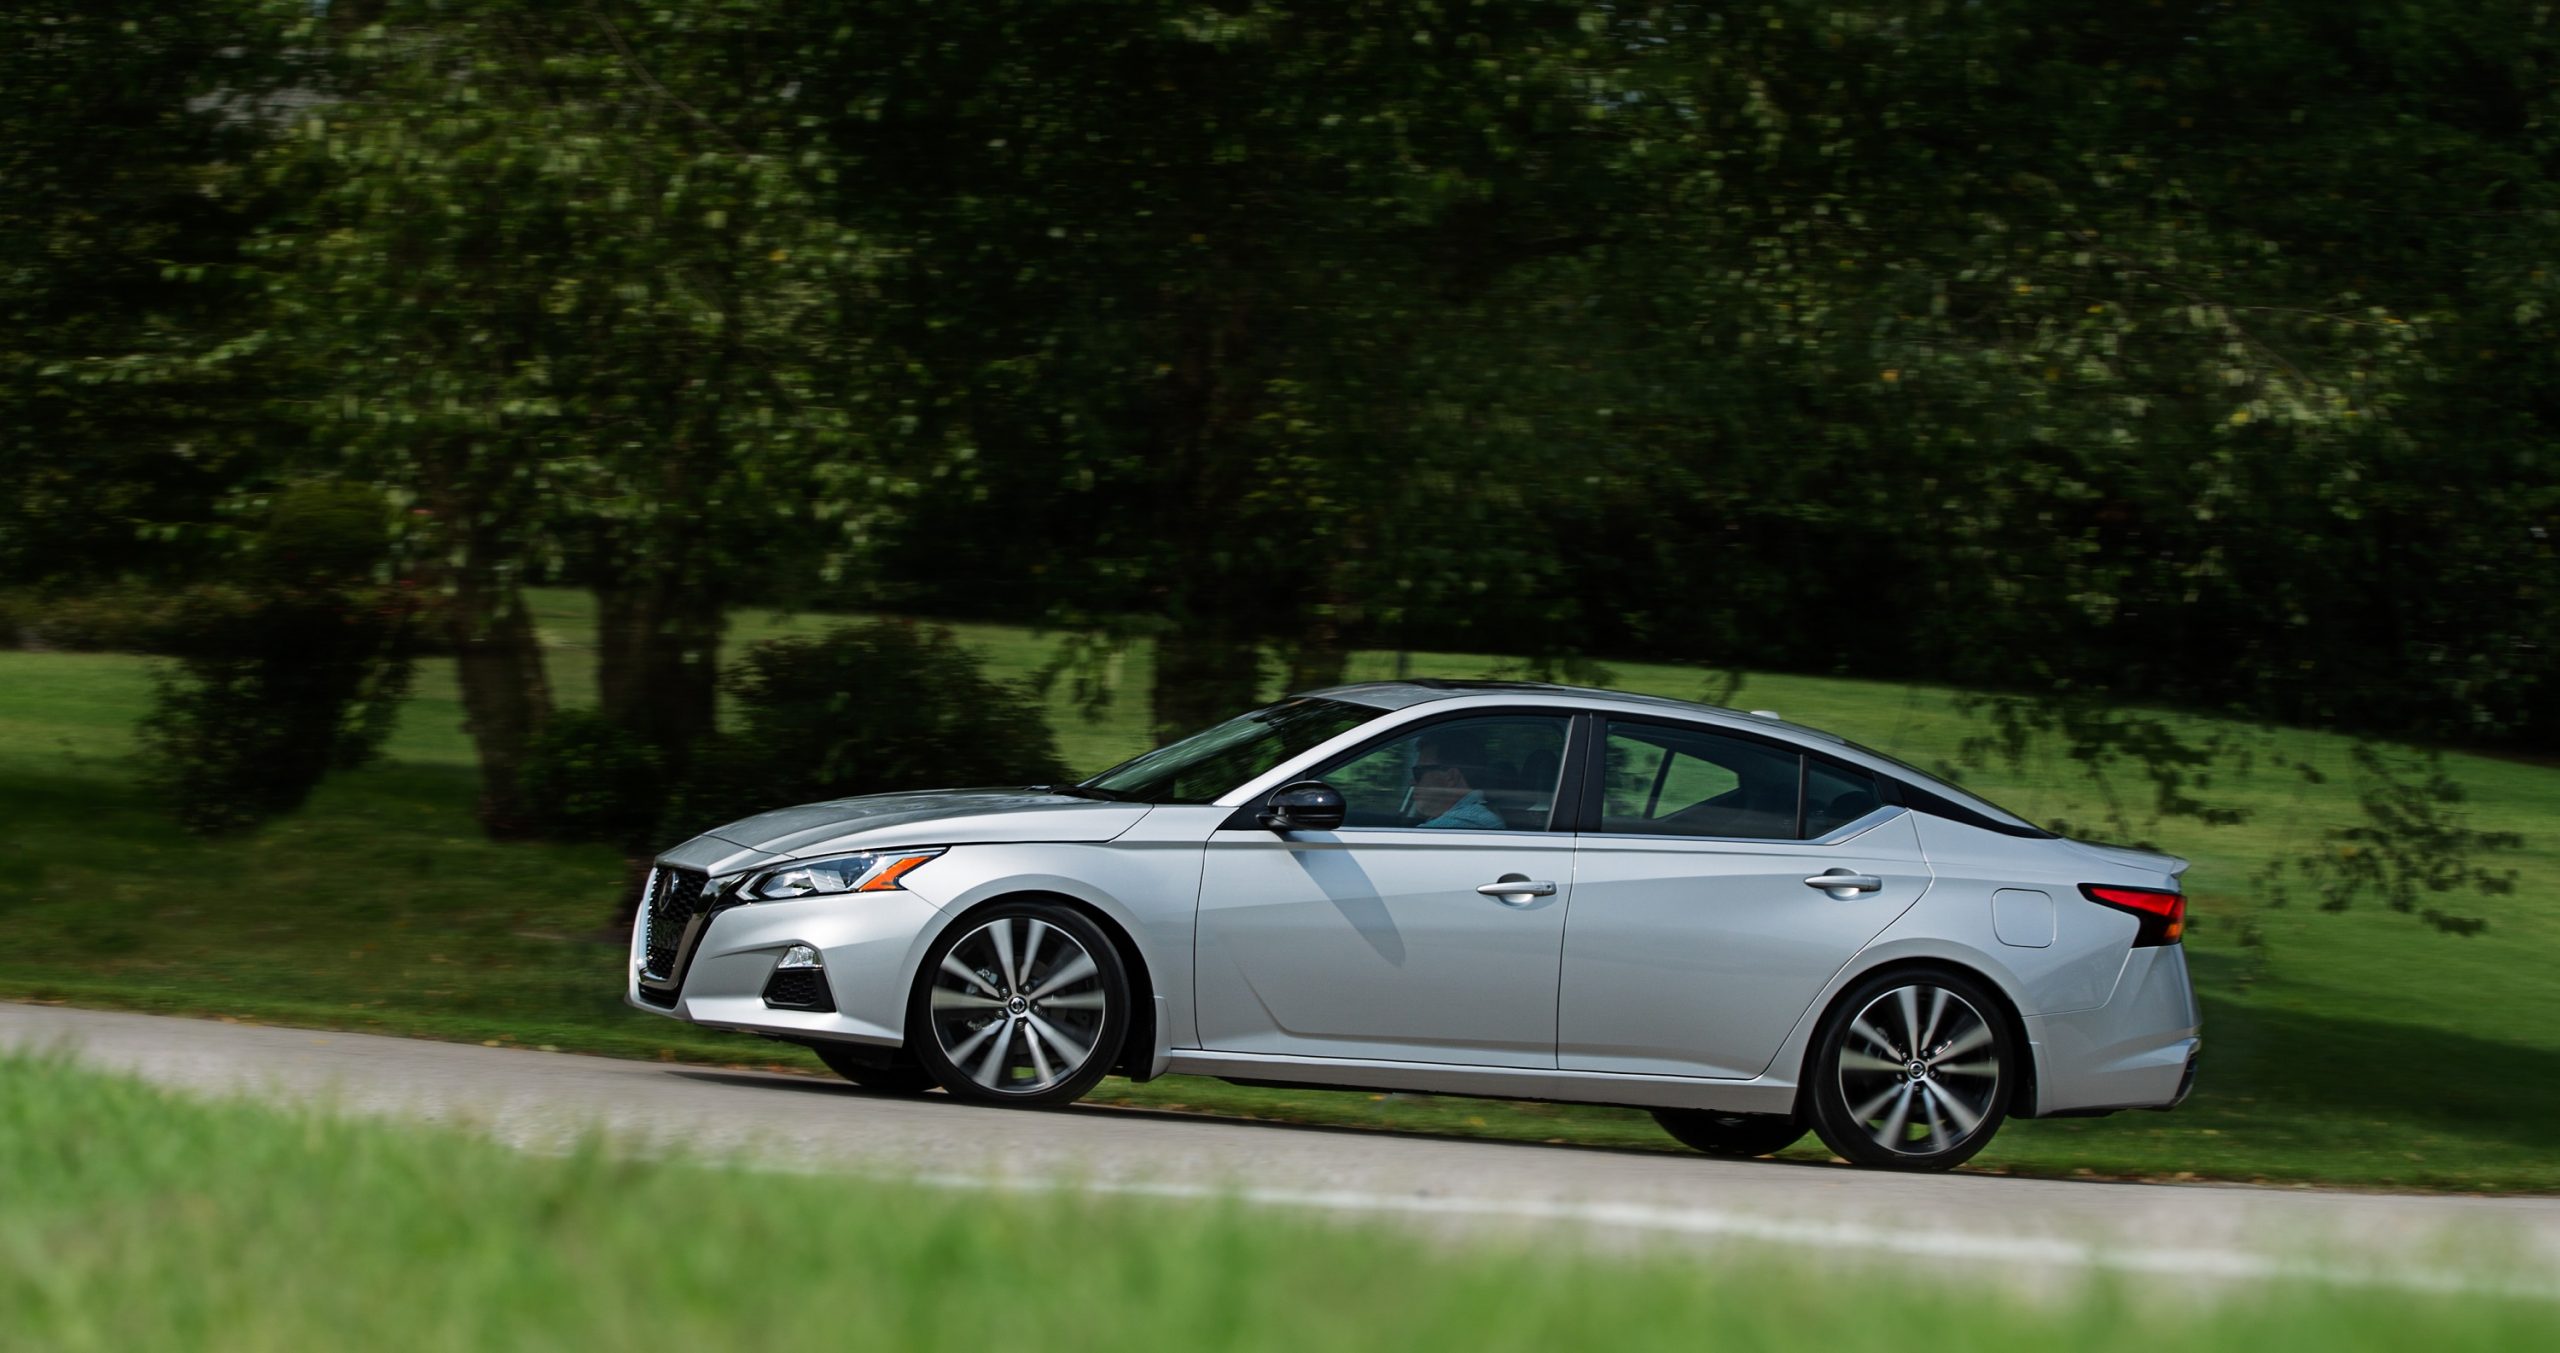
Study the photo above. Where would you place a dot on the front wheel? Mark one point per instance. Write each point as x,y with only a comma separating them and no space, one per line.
1913,1071
1025,1003
1739,1135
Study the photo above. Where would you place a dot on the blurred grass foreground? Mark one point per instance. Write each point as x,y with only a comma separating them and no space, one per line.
134,1218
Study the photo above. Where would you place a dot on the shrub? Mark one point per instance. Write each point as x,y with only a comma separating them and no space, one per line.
587,778
864,709
293,672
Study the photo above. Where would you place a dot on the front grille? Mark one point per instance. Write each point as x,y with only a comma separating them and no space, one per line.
799,989
672,899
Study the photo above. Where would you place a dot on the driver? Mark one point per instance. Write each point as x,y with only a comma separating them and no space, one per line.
1441,794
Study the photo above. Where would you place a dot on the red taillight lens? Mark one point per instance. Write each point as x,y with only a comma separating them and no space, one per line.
2163,914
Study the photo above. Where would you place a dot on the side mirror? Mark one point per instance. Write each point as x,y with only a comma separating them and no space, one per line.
1307,806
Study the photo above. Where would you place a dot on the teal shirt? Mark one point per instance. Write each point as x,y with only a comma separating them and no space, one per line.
1471,811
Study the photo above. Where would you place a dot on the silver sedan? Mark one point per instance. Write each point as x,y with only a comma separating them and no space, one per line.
1750,927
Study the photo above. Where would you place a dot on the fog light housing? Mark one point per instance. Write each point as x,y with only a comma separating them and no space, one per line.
799,982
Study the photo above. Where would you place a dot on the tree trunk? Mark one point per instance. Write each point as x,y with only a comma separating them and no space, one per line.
658,661
506,695
1203,677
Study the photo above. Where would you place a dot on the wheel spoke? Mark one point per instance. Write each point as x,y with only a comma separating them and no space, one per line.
1073,971
1083,1000
1897,1124
1907,1001
1937,1011
1937,1140
1068,1050
1001,931
970,1045
1876,1105
944,998
1039,1060
1869,1032
989,1070
1032,934
1991,1069
1853,1060
1972,1038
1965,1118
951,964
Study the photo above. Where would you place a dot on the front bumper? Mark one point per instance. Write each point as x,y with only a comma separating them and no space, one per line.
2138,1050
868,941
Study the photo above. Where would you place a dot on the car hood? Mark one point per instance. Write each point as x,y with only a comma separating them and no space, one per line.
942,817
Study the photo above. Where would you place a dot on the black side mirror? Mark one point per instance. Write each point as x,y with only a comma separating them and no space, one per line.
1307,806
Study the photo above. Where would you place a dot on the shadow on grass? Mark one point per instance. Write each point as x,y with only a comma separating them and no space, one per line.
2273,1064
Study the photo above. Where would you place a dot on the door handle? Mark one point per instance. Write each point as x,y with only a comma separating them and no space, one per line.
1516,889
1841,880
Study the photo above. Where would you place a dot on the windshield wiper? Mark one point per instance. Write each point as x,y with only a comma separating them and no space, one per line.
1077,792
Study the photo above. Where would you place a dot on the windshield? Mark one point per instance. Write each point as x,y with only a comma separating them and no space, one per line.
1207,764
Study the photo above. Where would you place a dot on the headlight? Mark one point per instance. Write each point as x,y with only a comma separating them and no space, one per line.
877,872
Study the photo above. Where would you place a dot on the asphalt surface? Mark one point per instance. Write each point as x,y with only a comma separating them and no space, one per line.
2030,1233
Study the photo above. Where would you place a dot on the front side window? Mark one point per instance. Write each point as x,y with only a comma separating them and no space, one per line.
1207,764
1496,773
1661,781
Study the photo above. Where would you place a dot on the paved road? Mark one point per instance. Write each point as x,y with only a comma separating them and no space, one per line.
2035,1233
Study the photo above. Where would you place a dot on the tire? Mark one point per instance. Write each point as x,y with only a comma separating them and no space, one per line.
1913,1071
897,1078
1736,1135
1024,1003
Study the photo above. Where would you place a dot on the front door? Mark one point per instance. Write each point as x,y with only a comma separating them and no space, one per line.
1377,940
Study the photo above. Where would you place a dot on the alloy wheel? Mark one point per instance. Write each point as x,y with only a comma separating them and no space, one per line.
1919,1071
1019,1006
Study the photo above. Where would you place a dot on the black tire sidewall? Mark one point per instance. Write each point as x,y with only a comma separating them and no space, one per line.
926,1047
1829,1109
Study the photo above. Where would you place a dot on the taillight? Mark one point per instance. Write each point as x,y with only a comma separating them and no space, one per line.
2163,914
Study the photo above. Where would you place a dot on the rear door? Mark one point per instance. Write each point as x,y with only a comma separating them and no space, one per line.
1695,941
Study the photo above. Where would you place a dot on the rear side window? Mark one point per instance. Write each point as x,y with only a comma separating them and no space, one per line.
1662,781
1835,796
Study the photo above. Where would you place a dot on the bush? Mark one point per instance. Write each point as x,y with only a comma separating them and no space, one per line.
117,617
865,709
296,671
587,778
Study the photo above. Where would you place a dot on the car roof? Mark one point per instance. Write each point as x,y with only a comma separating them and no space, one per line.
1423,690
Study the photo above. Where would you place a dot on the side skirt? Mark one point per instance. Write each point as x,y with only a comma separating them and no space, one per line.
1763,1095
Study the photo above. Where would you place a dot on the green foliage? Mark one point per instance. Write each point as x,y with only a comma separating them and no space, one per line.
864,709
134,390
296,671
587,778
2412,841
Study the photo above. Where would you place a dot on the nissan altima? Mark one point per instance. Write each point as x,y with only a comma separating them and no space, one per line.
1752,928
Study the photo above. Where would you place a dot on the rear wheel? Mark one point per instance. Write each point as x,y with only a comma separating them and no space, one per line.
889,1078
1025,1003
1731,1134
1913,1071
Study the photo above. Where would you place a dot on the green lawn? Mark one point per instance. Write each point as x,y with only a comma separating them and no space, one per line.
137,1219
2361,1048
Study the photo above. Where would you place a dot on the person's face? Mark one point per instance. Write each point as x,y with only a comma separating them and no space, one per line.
1437,786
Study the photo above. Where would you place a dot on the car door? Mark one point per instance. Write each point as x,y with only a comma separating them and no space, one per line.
1696,941
1380,939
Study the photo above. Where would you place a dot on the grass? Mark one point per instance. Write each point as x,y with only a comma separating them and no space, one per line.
2360,1049
138,1219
